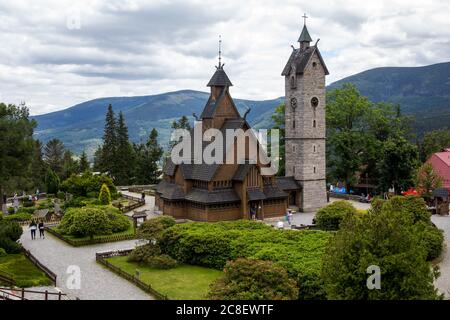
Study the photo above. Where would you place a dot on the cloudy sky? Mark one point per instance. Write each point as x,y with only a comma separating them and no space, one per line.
55,54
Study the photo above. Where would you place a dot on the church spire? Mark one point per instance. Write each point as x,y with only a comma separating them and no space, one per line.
220,78
304,38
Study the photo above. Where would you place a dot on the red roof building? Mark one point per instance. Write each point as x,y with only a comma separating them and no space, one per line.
441,164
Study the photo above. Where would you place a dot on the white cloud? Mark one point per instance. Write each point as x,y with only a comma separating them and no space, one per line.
139,47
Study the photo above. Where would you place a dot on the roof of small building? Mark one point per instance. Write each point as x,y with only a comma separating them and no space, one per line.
212,197
255,195
219,78
287,183
274,192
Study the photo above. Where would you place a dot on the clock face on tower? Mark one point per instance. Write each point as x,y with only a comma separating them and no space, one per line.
293,103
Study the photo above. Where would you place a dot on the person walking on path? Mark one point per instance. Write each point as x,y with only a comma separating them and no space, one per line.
143,196
289,217
41,229
33,228
15,203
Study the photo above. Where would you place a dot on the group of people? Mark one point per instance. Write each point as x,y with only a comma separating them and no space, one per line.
37,226
288,217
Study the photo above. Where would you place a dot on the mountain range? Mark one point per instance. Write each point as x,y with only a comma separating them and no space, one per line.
421,91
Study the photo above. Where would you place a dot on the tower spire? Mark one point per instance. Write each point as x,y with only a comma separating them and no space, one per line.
304,38
220,51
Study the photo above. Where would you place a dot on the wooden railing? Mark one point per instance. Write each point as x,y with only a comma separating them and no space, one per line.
52,221
139,202
101,258
19,294
80,243
41,266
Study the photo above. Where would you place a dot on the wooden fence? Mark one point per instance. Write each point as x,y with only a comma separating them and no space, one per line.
19,294
80,243
41,266
101,258
139,202
52,221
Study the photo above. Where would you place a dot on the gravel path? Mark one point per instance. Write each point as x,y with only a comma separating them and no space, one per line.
97,283
443,282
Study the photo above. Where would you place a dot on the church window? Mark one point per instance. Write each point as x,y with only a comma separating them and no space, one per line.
314,169
314,64
293,124
293,85
314,123
314,102
314,148
293,148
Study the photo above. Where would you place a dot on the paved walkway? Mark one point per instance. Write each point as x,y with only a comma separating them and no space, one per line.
97,283
443,282
149,204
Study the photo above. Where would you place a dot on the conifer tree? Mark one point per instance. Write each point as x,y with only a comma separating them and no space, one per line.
124,158
107,160
105,195
84,163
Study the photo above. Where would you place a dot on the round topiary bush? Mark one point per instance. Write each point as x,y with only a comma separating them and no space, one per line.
142,253
329,218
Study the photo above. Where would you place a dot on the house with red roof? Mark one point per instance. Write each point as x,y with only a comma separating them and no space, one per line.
441,164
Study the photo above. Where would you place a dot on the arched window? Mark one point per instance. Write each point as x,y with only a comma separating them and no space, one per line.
314,102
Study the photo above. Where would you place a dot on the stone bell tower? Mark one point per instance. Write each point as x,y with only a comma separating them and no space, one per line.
305,125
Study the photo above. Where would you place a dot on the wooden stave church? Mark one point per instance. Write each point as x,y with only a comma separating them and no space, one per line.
217,192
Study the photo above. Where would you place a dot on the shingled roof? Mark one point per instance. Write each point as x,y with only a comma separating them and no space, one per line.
274,192
304,36
219,79
211,104
287,183
212,197
170,191
300,59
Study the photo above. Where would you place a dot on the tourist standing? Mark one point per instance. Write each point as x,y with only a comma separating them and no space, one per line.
290,217
41,228
15,203
37,194
252,212
33,228
143,196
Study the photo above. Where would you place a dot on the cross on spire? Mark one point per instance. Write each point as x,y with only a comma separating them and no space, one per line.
304,16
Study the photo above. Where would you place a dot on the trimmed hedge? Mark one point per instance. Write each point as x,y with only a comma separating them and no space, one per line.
213,244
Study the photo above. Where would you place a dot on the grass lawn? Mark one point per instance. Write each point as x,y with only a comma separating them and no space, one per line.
185,282
129,231
25,273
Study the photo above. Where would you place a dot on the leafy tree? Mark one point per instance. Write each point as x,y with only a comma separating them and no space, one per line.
84,163
426,180
105,196
346,113
54,155
397,164
152,229
279,123
10,232
51,182
16,141
87,184
182,123
434,141
250,279
88,221
387,238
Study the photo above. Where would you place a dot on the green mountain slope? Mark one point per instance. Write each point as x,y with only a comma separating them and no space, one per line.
421,91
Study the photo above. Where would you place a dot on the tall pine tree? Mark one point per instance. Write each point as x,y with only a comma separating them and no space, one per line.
124,158
84,163
148,160
107,159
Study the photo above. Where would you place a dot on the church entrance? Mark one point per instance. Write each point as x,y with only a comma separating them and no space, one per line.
293,198
255,208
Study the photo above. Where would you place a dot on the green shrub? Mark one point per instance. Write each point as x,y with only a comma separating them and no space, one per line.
433,240
212,244
104,196
88,185
10,232
93,220
3,253
329,217
61,195
141,253
162,261
413,205
27,203
26,210
75,203
250,279
19,216
152,229
10,210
